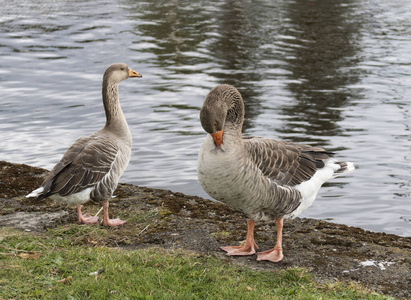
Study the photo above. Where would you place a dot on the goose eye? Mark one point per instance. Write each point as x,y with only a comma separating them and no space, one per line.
122,69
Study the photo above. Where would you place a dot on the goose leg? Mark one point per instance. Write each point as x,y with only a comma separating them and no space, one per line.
106,220
275,254
85,219
249,245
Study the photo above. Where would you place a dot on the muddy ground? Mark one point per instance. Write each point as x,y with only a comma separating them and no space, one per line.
381,262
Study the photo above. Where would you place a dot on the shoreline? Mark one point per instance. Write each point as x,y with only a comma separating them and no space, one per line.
380,261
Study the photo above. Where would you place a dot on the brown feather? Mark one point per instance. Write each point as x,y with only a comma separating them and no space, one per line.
284,162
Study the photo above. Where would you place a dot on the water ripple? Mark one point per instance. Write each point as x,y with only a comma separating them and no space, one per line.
330,73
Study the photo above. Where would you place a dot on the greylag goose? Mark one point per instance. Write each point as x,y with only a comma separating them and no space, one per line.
264,178
91,167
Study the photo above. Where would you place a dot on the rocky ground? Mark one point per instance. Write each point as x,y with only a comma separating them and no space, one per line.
381,262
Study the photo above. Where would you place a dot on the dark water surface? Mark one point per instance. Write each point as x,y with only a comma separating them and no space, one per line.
330,73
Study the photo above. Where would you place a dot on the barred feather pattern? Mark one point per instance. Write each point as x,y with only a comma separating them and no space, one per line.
250,178
95,162
283,162
265,178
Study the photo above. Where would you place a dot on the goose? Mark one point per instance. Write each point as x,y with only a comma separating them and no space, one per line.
91,168
267,179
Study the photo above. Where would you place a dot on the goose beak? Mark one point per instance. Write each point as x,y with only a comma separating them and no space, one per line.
218,138
132,73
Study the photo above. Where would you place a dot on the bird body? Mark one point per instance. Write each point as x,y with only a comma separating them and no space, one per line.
237,177
265,178
91,168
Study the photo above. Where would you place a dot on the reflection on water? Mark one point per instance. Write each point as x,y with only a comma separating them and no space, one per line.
322,62
330,73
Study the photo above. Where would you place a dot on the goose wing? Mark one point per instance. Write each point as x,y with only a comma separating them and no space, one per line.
283,162
84,165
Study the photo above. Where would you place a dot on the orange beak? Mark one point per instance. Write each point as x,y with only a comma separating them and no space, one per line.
218,138
132,73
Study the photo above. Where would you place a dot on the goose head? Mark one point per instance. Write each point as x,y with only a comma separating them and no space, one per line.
223,109
118,72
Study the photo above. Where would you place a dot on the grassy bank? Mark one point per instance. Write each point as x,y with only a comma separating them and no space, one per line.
57,265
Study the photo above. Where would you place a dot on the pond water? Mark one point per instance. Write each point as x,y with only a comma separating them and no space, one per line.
330,73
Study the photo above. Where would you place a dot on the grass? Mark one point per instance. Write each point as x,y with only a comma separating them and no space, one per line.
54,265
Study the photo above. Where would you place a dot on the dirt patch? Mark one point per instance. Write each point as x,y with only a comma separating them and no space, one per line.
31,221
381,262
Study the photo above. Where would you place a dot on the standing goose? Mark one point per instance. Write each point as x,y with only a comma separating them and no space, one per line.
91,167
265,178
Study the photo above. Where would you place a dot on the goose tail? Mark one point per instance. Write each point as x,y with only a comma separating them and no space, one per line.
345,167
36,193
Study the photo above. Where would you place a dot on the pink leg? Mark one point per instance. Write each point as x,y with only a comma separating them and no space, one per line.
85,219
249,245
106,220
275,254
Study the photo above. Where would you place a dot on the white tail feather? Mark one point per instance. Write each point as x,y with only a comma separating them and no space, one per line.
36,192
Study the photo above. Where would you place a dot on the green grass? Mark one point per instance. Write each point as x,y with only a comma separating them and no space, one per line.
54,265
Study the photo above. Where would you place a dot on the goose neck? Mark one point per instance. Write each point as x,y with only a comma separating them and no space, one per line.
111,103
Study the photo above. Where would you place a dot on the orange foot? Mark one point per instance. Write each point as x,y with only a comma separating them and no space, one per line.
274,255
247,249
113,222
87,219
249,245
